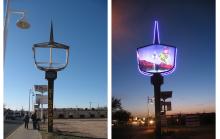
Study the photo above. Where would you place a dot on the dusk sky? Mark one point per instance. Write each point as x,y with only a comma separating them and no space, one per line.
80,24
188,25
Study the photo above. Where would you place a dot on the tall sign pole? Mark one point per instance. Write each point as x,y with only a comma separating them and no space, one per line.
157,81
29,101
50,75
51,68
157,60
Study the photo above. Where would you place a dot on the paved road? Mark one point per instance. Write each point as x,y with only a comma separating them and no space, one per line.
10,126
202,132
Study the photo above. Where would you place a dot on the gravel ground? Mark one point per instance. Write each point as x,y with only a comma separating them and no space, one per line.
90,128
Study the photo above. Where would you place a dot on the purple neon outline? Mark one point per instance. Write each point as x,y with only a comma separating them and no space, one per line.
162,73
156,29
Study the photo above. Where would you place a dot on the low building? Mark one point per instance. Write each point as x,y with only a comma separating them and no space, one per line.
75,113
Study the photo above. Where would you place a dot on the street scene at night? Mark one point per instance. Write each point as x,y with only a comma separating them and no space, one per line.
163,69
55,67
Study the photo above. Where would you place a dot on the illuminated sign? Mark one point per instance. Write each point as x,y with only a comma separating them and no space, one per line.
156,58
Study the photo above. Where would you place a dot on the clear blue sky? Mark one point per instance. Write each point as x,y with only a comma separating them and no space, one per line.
190,26
81,24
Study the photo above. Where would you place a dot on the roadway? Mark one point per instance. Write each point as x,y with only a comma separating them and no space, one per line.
178,132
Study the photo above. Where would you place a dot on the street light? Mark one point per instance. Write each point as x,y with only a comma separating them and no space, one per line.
22,23
50,67
30,92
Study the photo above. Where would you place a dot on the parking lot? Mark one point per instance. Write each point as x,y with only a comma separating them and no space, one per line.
93,128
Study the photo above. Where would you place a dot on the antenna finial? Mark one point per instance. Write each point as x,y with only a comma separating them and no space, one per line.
156,33
51,32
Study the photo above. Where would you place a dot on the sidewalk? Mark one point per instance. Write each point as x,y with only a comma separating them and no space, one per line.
22,133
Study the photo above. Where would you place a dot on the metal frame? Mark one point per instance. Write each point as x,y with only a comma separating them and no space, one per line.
52,45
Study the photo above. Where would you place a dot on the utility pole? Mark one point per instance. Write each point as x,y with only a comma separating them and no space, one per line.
30,105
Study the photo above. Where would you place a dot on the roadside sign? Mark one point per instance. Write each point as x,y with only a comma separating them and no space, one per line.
41,99
36,106
150,100
167,105
166,94
40,88
156,58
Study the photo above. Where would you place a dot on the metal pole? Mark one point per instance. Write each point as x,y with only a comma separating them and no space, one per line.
90,103
29,102
157,81
147,110
32,103
6,25
41,114
164,107
51,75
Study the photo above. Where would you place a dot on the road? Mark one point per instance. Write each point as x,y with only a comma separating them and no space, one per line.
10,126
202,132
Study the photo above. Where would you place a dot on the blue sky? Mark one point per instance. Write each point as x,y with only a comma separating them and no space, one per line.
80,24
190,26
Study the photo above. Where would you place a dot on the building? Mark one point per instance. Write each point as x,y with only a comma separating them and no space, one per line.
74,113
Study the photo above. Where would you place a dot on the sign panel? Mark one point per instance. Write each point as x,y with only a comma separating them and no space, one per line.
41,99
150,100
36,106
166,94
156,58
40,88
167,105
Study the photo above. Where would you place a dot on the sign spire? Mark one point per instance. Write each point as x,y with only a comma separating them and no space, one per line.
156,33
51,33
